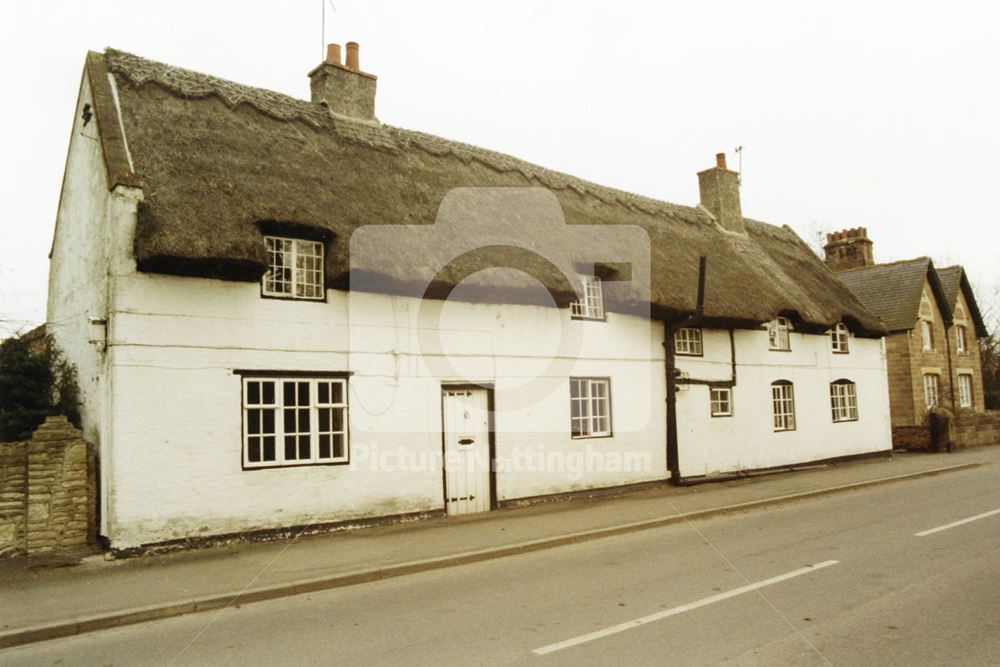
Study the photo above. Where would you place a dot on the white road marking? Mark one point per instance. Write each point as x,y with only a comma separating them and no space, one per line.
956,523
628,625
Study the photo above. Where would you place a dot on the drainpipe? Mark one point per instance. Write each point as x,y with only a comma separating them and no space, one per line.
670,356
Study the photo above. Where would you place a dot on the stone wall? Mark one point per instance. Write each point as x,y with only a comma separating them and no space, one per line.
968,429
973,429
48,493
13,492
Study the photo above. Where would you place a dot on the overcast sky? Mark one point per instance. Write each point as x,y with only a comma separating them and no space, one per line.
876,114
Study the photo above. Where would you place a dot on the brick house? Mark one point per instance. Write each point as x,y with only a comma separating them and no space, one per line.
933,324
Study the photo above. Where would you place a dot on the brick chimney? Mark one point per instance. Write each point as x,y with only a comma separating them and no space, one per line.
344,87
849,249
720,195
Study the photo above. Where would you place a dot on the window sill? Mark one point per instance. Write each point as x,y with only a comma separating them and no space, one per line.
842,421
307,464
779,349
596,436
589,319
689,354
288,297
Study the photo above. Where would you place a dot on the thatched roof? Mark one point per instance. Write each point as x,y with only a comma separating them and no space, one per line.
892,291
219,162
953,279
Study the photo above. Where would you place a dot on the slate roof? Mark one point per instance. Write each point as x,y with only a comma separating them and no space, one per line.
220,162
953,279
892,291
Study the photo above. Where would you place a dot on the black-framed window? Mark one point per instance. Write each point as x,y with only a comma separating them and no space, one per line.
292,421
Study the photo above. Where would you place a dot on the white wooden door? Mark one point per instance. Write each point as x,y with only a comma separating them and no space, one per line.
466,450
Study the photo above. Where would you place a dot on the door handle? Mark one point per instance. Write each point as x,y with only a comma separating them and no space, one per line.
465,441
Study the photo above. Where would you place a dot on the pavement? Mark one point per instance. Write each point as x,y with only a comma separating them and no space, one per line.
42,602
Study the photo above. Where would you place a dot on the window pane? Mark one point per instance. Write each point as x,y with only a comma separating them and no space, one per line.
253,450
290,448
289,391
268,392
269,453
338,419
323,392
253,393
338,446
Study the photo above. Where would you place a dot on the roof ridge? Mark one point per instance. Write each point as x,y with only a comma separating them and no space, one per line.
190,83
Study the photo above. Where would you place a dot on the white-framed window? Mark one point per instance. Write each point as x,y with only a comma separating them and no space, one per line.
965,390
930,390
838,338
591,307
295,268
590,407
783,405
777,334
960,341
927,335
688,341
844,401
721,399
294,421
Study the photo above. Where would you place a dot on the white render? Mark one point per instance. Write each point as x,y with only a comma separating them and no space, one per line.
747,440
162,396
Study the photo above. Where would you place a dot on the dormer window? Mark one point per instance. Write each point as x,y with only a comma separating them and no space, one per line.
295,268
777,334
591,306
838,338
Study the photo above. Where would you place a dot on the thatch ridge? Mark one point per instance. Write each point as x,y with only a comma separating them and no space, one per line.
219,158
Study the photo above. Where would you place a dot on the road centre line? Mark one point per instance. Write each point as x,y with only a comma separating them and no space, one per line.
628,625
953,524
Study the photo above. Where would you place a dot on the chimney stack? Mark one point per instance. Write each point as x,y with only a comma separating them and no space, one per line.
345,89
849,249
720,195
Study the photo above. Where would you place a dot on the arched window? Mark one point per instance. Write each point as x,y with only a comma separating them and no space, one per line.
783,404
843,401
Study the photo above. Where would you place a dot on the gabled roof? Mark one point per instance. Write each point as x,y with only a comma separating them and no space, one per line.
892,291
953,279
219,162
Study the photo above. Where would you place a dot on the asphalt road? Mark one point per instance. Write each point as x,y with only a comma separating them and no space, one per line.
841,580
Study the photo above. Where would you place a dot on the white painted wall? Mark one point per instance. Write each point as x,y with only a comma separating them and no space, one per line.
177,415
747,440
78,268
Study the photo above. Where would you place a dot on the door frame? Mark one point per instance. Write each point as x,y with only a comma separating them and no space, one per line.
491,438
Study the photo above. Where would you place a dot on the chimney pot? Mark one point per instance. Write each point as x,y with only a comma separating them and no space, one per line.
352,56
345,89
333,54
720,160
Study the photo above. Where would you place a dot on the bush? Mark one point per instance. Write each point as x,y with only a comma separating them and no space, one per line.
33,387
